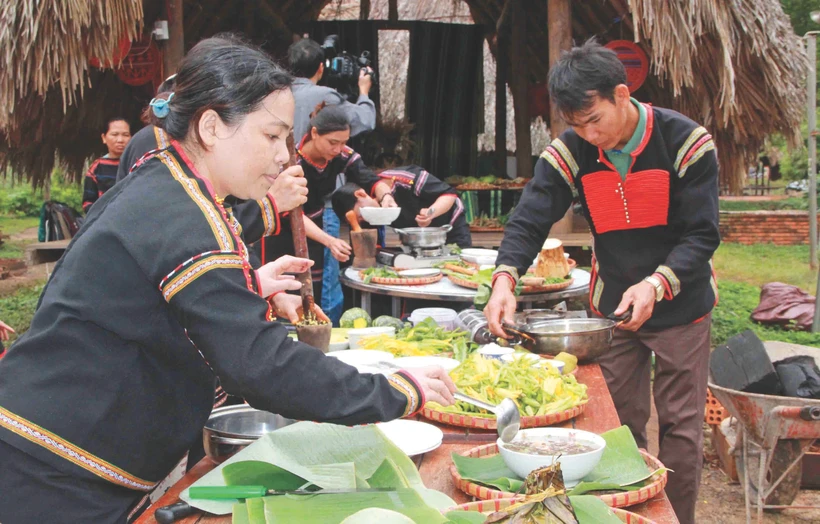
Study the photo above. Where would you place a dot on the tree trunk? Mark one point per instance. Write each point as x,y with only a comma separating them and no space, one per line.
175,46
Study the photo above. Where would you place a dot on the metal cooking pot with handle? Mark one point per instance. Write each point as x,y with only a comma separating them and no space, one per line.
232,428
586,338
424,237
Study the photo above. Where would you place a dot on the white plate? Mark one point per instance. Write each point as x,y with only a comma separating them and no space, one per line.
411,436
380,216
448,364
420,273
362,358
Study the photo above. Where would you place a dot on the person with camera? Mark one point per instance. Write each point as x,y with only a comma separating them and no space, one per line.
307,63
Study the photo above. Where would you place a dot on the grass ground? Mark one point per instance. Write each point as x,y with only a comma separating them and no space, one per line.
764,263
13,226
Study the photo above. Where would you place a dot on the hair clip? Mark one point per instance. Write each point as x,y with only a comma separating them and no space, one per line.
160,106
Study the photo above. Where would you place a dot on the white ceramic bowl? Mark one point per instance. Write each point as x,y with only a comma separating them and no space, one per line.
355,335
380,216
478,256
494,351
536,360
574,467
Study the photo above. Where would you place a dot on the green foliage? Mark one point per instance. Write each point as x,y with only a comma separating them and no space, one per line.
800,203
21,200
17,309
732,316
798,11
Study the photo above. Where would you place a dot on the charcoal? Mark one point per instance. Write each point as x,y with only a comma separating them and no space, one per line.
799,376
742,364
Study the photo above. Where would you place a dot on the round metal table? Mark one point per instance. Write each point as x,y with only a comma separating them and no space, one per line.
445,290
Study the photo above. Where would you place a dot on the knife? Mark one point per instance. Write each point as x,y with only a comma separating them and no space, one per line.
247,492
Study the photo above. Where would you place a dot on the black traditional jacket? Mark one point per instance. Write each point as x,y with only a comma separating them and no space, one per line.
115,378
662,219
101,176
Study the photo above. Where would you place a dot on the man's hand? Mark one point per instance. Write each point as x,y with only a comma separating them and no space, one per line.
641,297
501,306
365,81
272,278
289,191
290,307
339,249
5,331
425,217
436,384
388,201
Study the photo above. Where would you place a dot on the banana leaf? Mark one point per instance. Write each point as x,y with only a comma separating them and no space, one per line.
621,468
256,511
258,473
333,509
592,510
240,514
382,516
388,476
465,517
326,455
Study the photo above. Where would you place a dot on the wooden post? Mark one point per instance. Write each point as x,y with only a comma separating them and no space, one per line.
393,10
559,26
175,46
519,83
364,10
501,105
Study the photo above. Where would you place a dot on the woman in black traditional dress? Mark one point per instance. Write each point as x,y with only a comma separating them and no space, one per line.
114,380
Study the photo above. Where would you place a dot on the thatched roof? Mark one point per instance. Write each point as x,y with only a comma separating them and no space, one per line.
735,66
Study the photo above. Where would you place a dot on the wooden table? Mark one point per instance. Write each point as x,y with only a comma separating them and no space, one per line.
599,416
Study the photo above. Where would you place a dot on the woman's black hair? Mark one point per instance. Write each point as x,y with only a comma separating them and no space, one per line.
222,73
581,74
344,199
329,119
305,57
113,119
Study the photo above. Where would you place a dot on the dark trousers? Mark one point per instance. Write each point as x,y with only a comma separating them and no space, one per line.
681,373
34,492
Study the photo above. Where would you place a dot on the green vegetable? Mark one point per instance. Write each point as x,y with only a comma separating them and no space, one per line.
489,179
388,321
351,315
379,272
425,338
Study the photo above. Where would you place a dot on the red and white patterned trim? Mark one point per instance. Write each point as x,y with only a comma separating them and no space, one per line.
410,389
197,266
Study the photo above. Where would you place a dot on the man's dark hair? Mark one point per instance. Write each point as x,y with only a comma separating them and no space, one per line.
329,119
305,57
344,199
581,73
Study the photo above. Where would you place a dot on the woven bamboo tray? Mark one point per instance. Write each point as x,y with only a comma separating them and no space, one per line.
613,500
489,506
387,281
468,421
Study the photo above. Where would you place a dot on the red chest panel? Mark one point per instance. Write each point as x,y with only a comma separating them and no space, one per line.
641,201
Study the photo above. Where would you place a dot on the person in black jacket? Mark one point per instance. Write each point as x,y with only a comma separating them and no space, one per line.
647,179
154,298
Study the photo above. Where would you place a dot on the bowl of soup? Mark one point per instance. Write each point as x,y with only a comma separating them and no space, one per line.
577,451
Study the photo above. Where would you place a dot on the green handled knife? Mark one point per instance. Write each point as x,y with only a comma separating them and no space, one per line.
248,492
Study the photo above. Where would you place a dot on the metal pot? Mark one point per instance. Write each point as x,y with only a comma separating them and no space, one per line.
231,428
424,237
586,338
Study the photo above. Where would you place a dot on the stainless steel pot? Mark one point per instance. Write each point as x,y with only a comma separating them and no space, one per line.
231,428
586,338
424,237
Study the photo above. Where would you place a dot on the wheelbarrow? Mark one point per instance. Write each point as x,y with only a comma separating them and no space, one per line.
773,435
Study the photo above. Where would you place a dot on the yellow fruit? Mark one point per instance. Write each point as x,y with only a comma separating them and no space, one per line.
570,361
360,323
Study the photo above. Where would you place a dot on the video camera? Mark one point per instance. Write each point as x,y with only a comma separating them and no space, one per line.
342,68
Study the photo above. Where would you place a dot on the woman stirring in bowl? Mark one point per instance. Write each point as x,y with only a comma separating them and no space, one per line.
114,380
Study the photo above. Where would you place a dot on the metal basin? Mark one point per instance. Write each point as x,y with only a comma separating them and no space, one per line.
231,428
586,338
424,237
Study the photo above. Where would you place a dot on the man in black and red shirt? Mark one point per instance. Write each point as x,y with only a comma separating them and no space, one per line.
647,179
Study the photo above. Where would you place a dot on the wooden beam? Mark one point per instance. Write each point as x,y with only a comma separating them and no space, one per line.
175,46
559,25
393,10
519,84
364,10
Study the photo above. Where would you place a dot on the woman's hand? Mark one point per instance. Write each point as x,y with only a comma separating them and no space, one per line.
388,201
272,278
290,307
289,190
340,249
425,217
436,384
5,331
